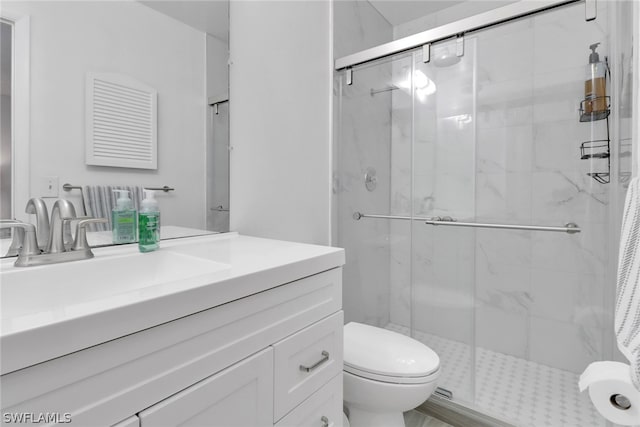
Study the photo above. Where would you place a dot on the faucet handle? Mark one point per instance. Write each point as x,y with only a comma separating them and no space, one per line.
80,243
29,241
17,239
66,230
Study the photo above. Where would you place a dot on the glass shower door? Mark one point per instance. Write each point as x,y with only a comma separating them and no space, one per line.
515,315
443,179
394,168
369,147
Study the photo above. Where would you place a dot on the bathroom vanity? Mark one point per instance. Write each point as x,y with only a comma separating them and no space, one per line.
223,330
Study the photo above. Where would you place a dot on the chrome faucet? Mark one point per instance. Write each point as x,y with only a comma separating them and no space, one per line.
60,246
39,208
59,236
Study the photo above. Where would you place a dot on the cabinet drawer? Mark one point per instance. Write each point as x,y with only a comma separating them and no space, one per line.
241,395
306,361
322,409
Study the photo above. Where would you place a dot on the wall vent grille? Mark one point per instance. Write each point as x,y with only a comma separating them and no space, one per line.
121,122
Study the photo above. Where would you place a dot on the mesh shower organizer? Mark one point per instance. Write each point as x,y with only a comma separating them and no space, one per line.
592,110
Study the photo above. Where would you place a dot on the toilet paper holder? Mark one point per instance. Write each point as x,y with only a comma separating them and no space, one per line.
620,401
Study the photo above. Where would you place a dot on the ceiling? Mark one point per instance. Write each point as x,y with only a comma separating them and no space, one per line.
209,16
400,11
212,16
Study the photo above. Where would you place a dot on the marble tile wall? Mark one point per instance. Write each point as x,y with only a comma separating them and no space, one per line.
499,142
362,142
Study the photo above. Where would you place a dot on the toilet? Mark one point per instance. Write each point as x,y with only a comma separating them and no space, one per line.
385,374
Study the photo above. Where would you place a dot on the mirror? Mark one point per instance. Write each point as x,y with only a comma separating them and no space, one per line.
179,49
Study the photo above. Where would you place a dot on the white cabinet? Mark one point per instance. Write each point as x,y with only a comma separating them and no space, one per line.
236,364
239,396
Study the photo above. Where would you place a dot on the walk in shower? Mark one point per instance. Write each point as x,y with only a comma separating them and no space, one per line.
479,206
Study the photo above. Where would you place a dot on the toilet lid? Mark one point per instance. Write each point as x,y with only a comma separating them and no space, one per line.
382,352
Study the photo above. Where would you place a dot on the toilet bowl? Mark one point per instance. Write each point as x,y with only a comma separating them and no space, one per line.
385,374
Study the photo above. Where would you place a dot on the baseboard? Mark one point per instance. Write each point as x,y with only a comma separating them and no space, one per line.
458,415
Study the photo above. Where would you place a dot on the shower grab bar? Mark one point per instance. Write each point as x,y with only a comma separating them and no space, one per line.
569,228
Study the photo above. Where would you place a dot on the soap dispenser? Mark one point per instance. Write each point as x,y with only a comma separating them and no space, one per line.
149,223
595,86
124,219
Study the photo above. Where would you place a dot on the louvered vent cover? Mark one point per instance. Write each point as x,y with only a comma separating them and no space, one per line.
121,122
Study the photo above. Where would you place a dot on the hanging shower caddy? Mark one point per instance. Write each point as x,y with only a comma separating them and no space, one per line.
597,148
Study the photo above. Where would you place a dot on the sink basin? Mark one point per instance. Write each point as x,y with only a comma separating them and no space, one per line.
47,293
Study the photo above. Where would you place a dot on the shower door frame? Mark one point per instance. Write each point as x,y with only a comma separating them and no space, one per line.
456,29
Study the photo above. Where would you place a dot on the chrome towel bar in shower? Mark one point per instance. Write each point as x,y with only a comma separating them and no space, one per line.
358,215
570,228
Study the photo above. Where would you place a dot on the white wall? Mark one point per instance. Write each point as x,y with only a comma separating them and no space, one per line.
69,39
217,68
280,86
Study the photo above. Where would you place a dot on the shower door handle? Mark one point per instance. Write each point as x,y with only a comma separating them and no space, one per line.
569,228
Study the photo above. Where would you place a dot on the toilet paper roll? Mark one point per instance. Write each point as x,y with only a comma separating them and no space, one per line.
612,392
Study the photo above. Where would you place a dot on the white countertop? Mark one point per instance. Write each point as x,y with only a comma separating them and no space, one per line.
40,323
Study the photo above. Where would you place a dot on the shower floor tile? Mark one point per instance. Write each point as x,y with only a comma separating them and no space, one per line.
516,390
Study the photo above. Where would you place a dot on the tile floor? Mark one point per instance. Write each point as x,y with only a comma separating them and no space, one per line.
519,391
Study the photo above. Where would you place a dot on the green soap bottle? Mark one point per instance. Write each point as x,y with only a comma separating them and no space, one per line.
149,223
124,219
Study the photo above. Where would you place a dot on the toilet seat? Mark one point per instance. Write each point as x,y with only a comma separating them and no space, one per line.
391,379
382,355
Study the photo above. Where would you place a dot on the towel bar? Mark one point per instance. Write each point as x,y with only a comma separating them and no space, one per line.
569,228
69,187
166,189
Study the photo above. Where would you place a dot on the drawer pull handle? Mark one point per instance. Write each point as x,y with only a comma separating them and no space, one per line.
325,421
325,357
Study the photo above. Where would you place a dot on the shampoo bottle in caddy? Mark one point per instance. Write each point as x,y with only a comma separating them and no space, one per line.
149,223
124,219
595,85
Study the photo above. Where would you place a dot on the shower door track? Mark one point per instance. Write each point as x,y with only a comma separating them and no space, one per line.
569,228
457,28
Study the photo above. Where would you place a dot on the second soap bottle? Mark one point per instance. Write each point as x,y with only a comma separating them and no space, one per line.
149,223
124,219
